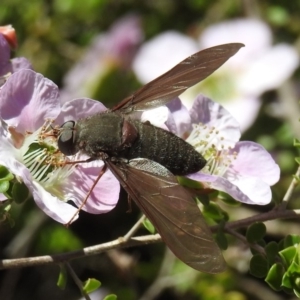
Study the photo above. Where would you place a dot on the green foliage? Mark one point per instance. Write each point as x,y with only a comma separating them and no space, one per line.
4,186
62,277
221,240
291,240
5,207
149,226
255,232
271,252
291,278
20,192
215,212
56,238
5,178
228,199
285,276
5,175
189,183
280,265
278,15
111,297
113,86
259,266
297,145
91,285
274,277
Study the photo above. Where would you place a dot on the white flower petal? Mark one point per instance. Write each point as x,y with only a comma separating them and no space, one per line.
58,210
224,185
79,108
162,53
255,34
269,71
27,99
248,105
8,158
52,206
255,189
104,196
254,161
156,116
179,121
213,114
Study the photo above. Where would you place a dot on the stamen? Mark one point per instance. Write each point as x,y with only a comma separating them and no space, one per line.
42,158
207,141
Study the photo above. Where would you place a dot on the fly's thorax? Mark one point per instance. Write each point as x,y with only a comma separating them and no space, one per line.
107,132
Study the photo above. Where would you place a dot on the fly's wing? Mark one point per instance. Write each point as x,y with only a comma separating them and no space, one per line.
172,211
174,82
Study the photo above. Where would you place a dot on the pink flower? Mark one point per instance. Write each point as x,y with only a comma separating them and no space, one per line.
7,65
28,105
244,170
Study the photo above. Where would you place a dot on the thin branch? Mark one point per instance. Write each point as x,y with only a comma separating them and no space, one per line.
134,228
88,251
268,216
239,236
136,241
290,190
77,281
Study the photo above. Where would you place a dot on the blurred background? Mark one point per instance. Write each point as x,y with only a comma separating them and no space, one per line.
105,50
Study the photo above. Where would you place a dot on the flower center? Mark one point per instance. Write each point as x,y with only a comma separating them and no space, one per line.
207,141
41,156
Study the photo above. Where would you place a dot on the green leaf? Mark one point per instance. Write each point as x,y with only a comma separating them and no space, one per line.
288,255
259,266
203,199
296,143
214,212
4,186
291,240
281,244
277,15
55,238
110,297
62,277
149,226
228,199
189,183
221,240
256,232
271,251
20,192
291,278
274,277
5,175
91,285
286,281
261,243
5,216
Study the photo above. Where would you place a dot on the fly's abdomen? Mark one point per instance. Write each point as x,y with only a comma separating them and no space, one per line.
165,148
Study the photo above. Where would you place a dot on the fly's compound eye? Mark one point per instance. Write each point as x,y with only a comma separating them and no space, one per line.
66,140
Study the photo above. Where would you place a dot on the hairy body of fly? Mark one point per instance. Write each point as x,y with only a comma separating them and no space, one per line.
124,138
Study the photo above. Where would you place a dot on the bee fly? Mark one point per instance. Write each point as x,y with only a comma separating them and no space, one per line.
146,159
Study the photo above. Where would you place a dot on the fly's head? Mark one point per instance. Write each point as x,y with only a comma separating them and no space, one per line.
67,138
